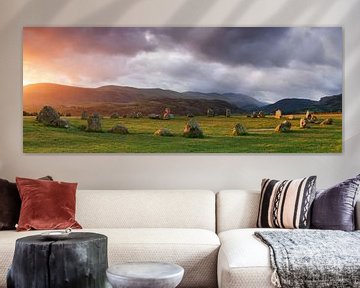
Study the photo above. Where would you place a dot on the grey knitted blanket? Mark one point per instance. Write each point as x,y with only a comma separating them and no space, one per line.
313,258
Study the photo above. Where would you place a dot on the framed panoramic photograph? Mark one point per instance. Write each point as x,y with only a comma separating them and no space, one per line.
182,90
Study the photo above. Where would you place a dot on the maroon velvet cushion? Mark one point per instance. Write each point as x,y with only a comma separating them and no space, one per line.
334,208
46,204
10,204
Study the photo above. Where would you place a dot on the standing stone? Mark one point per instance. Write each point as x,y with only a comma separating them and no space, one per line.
210,112
94,123
314,119
283,127
166,114
84,115
308,115
261,114
115,115
163,132
192,130
48,116
287,124
227,112
304,123
61,123
154,116
328,121
254,115
119,129
239,129
278,114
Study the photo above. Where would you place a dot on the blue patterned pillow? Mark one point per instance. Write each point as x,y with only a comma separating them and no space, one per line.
334,208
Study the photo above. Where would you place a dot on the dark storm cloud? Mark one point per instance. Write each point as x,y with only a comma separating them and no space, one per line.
266,47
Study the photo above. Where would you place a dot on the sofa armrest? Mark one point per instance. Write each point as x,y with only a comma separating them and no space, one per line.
357,215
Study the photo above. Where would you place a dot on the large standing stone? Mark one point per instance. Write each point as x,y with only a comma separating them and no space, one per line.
48,116
261,114
192,130
278,114
283,127
308,115
304,123
239,129
94,123
163,132
119,129
210,112
254,115
327,121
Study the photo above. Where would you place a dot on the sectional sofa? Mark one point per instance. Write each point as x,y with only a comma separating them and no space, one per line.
210,235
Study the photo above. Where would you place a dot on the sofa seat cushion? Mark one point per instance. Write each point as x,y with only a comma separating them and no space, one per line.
194,249
244,261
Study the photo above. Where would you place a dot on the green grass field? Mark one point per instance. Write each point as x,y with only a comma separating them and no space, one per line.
38,138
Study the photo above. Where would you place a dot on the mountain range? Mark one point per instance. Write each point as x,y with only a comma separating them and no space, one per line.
125,100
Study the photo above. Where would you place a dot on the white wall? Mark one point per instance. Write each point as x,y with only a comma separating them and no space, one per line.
219,171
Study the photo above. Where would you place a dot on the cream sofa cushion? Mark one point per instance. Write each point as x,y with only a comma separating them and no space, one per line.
236,209
146,209
244,261
194,249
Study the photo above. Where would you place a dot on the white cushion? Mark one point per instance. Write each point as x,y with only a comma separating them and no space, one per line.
194,249
244,261
146,209
236,209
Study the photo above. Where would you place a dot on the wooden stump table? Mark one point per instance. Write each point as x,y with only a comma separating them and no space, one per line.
78,261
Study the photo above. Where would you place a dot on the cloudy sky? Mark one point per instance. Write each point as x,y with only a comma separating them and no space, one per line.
267,63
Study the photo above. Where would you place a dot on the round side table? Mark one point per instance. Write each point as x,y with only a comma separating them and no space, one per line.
145,275
78,261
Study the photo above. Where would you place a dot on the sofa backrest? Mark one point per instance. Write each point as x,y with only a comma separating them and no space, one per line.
146,209
239,209
236,209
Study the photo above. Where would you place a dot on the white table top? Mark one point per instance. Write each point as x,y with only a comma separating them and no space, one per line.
146,270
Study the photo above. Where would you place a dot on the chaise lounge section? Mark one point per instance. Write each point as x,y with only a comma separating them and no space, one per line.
244,260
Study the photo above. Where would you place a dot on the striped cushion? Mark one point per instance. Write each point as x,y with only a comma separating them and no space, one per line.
286,204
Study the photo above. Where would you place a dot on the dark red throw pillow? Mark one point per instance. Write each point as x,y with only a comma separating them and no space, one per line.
10,204
46,204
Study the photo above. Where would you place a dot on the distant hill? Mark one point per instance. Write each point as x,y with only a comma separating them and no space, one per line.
121,99
296,105
125,100
106,99
242,101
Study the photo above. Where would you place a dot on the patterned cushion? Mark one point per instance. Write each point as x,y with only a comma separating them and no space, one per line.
286,204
